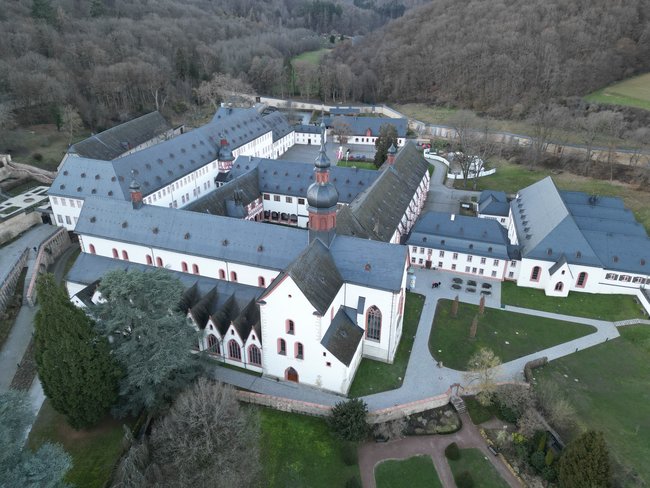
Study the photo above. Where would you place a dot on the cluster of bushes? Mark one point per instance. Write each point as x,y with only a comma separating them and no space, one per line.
540,455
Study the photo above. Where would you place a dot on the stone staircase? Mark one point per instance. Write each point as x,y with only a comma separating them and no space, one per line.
458,404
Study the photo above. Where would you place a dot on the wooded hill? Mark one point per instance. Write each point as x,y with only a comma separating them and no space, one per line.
113,59
500,56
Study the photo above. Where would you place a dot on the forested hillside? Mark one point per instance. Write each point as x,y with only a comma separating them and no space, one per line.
500,56
113,59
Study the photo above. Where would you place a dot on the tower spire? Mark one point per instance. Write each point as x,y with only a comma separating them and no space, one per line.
322,197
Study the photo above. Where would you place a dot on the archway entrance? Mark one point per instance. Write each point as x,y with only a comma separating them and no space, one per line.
291,375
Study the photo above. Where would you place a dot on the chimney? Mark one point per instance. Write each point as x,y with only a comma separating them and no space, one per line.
136,194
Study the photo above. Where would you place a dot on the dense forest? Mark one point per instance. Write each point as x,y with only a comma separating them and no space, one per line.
499,56
112,59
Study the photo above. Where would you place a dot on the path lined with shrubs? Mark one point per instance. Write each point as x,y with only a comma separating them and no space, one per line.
372,453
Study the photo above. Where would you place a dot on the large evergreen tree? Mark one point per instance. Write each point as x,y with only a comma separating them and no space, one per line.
74,364
585,462
19,466
387,137
150,337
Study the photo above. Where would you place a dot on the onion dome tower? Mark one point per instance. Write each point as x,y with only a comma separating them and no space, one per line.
322,198
136,194
390,156
224,163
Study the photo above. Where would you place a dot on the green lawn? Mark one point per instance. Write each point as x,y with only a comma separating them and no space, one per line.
23,187
509,335
611,393
94,452
603,307
375,376
485,475
415,472
633,92
477,412
297,450
312,56
357,164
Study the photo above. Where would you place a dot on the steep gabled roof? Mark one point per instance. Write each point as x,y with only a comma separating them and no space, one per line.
343,335
493,203
223,200
377,211
109,144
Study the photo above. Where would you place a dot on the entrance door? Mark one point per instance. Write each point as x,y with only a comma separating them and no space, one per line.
308,141
292,375
428,264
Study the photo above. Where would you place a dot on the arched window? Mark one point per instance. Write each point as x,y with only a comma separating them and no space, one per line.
298,350
558,286
582,280
254,355
233,276
149,260
213,344
91,249
534,274
159,262
261,282
184,267
125,255
234,351
222,274
282,347
373,324
115,253
290,327
195,268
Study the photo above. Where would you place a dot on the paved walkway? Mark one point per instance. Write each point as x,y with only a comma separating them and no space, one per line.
372,453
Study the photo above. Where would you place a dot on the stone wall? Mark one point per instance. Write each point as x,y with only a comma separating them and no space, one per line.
399,411
48,251
18,224
9,282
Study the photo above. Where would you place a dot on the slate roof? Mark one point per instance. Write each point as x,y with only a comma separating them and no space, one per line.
343,335
307,128
469,235
376,212
359,125
345,111
254,176
203,297
113,142
161,164
241,241
493,203
589,230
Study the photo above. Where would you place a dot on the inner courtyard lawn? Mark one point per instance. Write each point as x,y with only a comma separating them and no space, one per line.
94,452
415,472
357,164
375,376
509,335
603,307
484,474
608,386
297,450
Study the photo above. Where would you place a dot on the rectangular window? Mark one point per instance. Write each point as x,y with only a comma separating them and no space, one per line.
301,201
513,264
440,264
78,203
482,260
511,274
55,200
453,267
496,262
59,219
267,196
412,259
276,198
422,250
71,202
455,256
67,220
480,271
63,202
474,270
415,249
420,261
469,258
466,269
289,199
442,254
494,274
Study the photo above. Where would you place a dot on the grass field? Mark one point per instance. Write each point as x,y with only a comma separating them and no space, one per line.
26,144
510,178
415,472
603,307
94,452
509,335
479,413
313,57
633,92
356,164
375,376
297,450
484,474
608,386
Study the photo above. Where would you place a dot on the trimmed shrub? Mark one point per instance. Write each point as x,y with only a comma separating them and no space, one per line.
348,420
452,452
464,480
353,483
550,457
507,414
349,454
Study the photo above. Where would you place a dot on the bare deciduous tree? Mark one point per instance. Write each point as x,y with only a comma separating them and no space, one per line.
482,370
222,87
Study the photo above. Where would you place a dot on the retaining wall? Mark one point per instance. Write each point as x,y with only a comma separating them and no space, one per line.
18,224
48,251
9,282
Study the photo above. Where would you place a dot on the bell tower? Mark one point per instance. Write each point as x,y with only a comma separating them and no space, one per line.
322,198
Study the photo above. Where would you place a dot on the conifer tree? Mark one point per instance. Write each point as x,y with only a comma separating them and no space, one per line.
585,462
150,337
387,137
74,364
